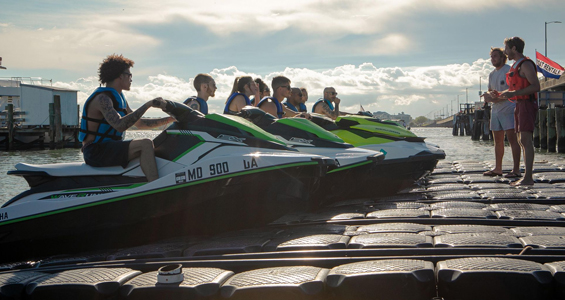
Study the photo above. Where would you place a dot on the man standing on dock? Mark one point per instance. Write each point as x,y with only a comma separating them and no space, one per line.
523,86
107,115
502,116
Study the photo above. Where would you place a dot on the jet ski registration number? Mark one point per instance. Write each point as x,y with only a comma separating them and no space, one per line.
219,168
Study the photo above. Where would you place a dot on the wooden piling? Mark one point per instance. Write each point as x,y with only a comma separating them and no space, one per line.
551,131
58,122
51,126
477,125
543,128
560,129
10,124
468,122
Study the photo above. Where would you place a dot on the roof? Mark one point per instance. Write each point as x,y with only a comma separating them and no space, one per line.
53,88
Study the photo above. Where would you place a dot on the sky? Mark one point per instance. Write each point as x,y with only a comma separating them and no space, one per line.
411,56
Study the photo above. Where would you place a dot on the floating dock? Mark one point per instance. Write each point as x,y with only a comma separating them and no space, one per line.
454,235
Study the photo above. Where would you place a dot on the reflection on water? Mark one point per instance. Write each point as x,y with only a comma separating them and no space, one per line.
456,148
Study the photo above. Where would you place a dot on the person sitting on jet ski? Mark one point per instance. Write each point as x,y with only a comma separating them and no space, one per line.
273,106
243,88
326,106
264,91
294,101
302,107
205,88
107,115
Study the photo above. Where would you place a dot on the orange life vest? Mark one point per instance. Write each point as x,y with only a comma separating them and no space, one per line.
516,82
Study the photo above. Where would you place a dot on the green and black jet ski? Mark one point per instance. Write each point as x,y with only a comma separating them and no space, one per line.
408,156
216,172
355,166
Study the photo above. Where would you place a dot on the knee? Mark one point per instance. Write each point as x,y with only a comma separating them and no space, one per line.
142,145
146,145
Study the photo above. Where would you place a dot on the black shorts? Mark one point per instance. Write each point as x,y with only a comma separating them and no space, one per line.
107,154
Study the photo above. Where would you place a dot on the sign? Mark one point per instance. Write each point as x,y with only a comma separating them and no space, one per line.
547,67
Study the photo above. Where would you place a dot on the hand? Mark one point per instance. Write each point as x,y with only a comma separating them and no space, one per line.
488,97
158,102
304,115
507,94
337,100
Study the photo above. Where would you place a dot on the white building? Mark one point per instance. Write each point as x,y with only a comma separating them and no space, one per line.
34,101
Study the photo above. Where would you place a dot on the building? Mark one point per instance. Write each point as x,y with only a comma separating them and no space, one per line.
32,116
386,116
33,100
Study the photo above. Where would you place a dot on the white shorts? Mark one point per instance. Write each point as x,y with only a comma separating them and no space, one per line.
502,121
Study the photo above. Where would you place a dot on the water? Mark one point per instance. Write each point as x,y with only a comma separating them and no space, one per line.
455,147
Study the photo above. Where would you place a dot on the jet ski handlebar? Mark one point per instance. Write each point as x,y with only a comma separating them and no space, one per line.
181,112
257,116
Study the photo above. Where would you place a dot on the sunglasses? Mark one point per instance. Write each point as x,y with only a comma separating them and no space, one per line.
286,87
333,93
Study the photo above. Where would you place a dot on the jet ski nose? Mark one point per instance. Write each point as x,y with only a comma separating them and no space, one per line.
327,162
378,157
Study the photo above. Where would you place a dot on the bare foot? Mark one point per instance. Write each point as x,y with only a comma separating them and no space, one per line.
522,182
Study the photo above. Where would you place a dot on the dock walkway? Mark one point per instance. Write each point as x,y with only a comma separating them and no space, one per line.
454,235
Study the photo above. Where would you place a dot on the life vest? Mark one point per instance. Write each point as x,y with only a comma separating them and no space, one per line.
105,131
230,99
302,107
328,102
280,111
201,102
290,106
516,82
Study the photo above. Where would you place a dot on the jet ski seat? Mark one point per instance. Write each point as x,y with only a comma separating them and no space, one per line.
71,169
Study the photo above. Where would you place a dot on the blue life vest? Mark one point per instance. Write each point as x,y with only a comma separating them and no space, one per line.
230,99
328,102
105,131
302,107
290,106
201,102
280,111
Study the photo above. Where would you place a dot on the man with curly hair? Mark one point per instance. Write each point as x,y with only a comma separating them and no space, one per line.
107,115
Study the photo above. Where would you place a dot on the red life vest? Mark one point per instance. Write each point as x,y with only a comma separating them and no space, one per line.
516,82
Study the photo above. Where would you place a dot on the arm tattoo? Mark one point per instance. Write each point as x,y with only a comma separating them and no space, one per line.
113,118
152,123
328,112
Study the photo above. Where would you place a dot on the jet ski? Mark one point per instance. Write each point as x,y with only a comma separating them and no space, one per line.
409,156
353,165
216,172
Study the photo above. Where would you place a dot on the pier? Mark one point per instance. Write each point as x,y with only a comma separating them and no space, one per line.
549,132
33,116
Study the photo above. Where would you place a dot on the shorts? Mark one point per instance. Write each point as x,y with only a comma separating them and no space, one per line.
502,121
107,154
525,115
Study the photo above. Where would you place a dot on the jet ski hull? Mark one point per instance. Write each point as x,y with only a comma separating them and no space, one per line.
191,209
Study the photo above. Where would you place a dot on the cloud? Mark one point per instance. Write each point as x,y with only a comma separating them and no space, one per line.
416,90
66,48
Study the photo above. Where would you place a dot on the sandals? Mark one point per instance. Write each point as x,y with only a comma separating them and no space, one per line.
491,173
512,175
